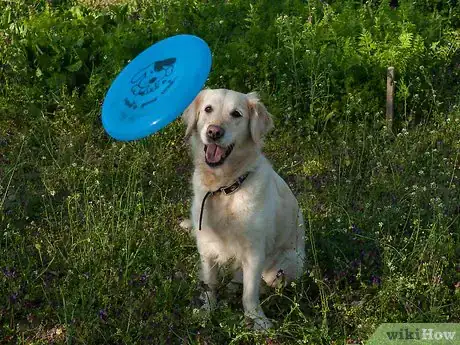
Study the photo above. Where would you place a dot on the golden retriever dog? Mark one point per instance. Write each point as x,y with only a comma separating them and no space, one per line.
242,210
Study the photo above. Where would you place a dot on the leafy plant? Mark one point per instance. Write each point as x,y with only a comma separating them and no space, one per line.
90,243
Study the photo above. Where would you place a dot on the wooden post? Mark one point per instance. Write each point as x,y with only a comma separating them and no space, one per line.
390,96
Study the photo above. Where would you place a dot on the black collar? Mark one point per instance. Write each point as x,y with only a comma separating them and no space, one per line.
227,190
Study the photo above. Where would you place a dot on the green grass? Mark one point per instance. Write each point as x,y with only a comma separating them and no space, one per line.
90,247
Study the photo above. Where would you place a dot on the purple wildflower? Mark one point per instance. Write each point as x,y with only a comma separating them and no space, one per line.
355,229
9,273
143,278
375,280
103,315
14,297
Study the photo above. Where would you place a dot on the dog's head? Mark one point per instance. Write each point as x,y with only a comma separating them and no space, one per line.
226,124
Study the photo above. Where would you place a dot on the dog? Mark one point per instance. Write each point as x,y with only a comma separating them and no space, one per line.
242,210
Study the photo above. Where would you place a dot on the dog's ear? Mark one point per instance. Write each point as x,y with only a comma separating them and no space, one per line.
190,115
260,120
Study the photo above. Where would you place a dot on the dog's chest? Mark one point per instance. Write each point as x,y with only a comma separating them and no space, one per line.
224,233
225,213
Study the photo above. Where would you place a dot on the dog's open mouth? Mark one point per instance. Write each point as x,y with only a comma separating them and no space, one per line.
215,155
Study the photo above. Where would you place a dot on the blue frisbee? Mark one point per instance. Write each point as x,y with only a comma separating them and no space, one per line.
156,87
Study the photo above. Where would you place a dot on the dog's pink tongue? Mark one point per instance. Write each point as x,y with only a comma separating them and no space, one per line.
214,153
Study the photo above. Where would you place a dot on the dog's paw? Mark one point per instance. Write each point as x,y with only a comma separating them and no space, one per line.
208,300
262,324
186,224
259,321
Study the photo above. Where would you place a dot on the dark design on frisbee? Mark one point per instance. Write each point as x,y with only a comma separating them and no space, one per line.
151,81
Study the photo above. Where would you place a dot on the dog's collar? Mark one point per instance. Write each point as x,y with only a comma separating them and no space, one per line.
227,190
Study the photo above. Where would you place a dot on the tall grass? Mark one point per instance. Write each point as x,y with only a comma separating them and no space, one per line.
91,251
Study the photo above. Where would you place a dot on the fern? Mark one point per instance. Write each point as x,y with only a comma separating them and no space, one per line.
366,43
406,40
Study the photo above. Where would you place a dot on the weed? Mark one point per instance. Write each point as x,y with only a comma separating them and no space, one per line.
90,243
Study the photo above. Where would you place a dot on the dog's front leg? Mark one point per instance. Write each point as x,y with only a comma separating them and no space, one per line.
252,272
209,270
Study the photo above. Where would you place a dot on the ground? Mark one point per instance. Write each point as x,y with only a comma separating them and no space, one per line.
92,251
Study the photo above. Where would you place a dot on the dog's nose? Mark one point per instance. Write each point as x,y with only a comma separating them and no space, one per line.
215,132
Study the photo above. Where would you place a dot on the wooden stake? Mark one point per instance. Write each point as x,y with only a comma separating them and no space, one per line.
390,96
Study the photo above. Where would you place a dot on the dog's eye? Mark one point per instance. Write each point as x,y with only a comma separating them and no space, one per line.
208,109
235,113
